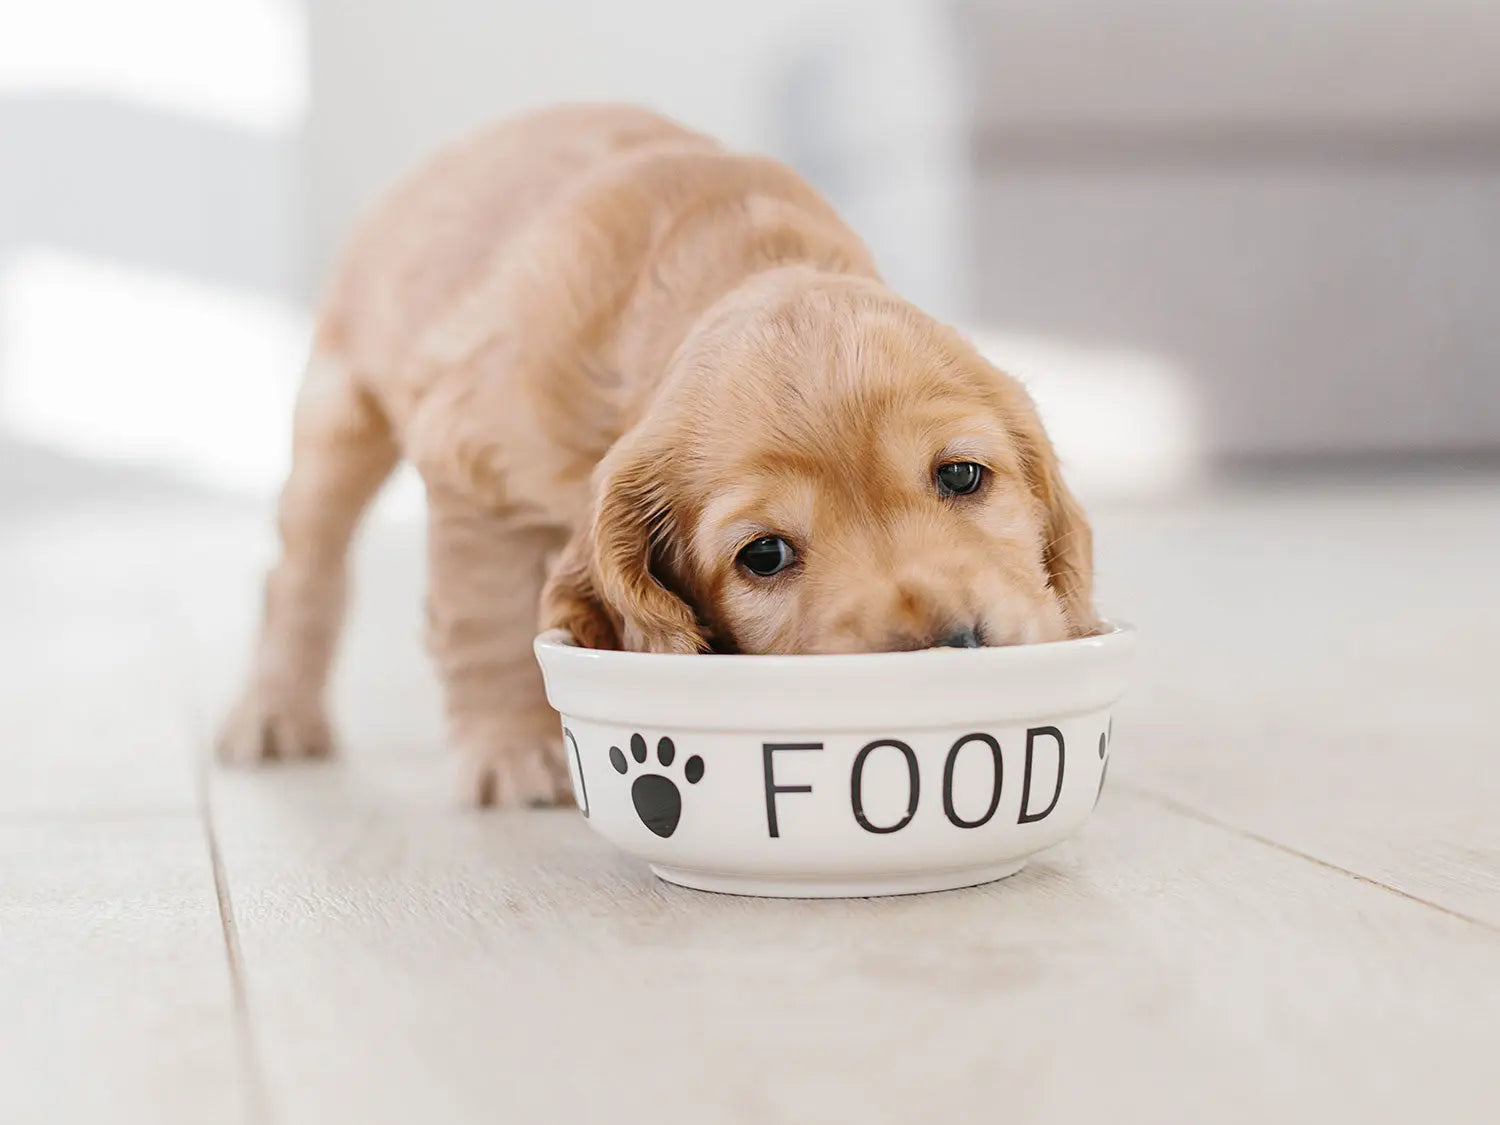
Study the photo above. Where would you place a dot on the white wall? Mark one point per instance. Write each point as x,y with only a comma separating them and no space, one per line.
391,78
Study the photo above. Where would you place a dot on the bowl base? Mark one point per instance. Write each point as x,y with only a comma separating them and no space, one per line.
853,886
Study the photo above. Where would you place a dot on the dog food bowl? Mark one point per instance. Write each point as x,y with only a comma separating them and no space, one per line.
838,776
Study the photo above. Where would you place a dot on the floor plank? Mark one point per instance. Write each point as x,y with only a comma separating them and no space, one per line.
117,1005
116,999
94,709
1241,932
1316,668
403,961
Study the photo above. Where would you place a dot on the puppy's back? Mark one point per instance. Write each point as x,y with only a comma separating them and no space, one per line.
435,230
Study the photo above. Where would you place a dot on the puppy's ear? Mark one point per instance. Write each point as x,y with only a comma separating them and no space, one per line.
571,601
1068,540
605,588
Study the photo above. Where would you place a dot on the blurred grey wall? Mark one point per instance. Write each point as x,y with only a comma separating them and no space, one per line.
1295,204
1285,212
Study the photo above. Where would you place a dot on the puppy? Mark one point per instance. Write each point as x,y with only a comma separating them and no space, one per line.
658,396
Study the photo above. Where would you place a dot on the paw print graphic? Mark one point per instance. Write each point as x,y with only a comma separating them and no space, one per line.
657,799
1104,742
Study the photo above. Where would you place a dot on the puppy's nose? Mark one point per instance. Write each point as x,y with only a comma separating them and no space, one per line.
960,638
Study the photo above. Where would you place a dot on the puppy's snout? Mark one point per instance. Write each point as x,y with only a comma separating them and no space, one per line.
901,615
967,637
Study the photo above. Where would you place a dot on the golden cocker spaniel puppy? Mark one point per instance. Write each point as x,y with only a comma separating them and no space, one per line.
658,395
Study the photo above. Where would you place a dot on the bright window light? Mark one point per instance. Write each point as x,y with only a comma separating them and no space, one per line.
114,362
1124,423
109,362
240,62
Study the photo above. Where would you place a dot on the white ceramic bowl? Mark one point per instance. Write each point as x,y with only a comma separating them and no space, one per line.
838,776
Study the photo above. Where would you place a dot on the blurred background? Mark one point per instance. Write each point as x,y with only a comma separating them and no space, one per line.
1211,237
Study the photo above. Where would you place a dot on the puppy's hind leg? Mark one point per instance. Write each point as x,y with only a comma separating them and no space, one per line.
485,570
342,452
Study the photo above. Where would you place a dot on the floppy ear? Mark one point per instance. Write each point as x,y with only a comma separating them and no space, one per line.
604,588
571,601
1068,540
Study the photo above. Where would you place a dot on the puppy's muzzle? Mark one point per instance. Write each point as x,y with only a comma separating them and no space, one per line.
968,637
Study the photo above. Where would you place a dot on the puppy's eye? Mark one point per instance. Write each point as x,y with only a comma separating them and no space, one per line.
959,478
768,555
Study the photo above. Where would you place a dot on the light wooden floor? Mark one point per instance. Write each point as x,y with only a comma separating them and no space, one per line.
1286,909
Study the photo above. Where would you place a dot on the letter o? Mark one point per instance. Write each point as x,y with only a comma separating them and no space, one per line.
857,779
948,767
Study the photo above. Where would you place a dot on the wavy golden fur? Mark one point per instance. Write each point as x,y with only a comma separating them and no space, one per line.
616,354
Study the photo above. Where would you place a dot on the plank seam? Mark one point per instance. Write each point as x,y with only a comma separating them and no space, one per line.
1191,813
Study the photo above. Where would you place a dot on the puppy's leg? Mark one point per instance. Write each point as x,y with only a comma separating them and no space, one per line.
342,452
485,571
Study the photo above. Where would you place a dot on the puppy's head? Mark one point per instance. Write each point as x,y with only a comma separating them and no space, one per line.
826,469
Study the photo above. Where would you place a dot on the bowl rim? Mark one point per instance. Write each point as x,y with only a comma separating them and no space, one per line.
927,688
1114,634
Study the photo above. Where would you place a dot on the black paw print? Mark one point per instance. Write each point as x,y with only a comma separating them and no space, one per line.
657,800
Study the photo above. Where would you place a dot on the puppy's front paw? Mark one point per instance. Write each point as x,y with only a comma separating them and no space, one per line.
264,728
506,771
